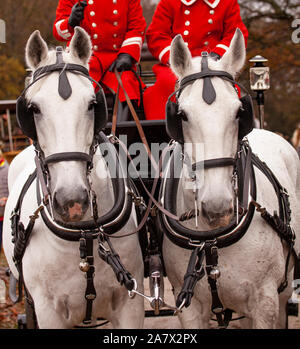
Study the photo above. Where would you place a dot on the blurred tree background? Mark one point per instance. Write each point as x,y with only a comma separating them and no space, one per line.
270,29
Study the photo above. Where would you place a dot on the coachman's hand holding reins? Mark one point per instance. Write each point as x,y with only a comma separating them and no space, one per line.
124,62
77,14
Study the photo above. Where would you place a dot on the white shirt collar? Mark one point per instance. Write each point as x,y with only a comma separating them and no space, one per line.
191,2
212,5
188,2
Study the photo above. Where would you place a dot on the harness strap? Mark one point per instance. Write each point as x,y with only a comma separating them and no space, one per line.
113,259
281,223
223,316
87,256
115,112
194,273
40,179
211,254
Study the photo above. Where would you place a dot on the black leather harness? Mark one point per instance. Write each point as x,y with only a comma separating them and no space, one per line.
84,232
206,243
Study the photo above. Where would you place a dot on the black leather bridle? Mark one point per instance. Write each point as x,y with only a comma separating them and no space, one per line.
83,232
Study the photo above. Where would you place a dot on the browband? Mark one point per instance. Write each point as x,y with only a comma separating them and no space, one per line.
208,92
204,74
64,87
60,67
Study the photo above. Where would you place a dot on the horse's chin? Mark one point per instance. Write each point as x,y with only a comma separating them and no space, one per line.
67,219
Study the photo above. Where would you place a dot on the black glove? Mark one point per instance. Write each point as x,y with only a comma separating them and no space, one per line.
215,56
123,62
77,14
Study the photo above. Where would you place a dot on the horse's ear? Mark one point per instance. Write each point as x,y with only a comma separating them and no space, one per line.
234,59
36,50
81,46
180,57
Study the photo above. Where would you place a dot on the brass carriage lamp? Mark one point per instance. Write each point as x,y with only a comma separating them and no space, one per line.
259,82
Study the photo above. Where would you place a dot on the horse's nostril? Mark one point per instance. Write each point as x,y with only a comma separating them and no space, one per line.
55,203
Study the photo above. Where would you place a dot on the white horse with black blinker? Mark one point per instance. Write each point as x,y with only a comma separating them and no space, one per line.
253,268
50,264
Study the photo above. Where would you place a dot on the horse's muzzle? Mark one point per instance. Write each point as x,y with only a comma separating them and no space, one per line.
217,214
72,206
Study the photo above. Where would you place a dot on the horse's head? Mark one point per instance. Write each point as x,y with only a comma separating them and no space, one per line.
63,125
214,123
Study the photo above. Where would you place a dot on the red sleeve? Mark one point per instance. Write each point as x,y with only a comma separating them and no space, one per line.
61,30
232,21
135,34
159,34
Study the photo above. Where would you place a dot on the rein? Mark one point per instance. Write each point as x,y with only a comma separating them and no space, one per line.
135,117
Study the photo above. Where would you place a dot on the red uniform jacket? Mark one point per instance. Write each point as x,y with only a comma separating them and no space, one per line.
205,25
115,26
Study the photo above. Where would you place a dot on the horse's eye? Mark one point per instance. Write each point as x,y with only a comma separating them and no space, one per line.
34,108
91,105
182,115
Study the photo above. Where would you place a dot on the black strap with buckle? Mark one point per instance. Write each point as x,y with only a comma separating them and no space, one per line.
211,254
86,255
194,273
110,256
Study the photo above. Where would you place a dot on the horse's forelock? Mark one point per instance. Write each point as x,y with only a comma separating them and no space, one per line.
212,64
51,58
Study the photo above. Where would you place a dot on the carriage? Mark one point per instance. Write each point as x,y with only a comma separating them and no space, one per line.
154,201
